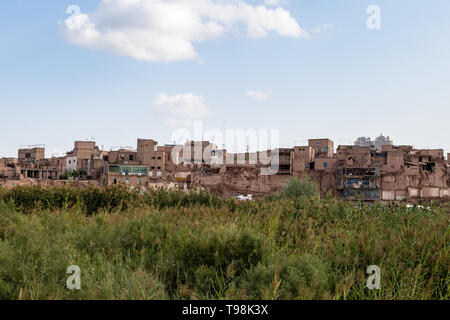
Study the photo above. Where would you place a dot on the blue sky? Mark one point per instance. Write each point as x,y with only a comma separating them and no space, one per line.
344,82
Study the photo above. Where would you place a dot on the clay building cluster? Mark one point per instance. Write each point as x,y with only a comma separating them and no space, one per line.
368,170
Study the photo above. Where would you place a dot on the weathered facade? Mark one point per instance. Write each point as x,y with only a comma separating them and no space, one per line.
356,172
31,155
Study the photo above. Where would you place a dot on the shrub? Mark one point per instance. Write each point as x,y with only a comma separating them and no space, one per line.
287,278
303,186
202,261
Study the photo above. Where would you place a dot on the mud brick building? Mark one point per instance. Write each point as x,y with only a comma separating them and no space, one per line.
369,170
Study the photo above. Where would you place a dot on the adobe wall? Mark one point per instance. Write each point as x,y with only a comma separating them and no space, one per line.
240,180
244,180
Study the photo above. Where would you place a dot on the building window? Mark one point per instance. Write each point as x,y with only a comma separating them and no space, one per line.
131,157
159,168
325,165
153,168
27,155
115,181
318,143
159,174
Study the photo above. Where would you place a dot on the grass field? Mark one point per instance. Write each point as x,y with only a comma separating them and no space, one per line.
175,245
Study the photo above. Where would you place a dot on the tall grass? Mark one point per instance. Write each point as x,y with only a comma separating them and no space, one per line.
93,199
162,244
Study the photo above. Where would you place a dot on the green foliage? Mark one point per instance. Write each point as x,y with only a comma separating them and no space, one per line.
94,199
201,261
72,174
303,277
164,244
303,186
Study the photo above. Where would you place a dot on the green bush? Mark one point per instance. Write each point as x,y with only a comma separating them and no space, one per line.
288,278
303,186
201,262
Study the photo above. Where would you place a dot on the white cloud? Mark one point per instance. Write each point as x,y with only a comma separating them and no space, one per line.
166,30
258,95
324,28
181,109
272,2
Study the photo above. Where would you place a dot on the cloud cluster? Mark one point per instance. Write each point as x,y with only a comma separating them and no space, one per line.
257,95
272,2
324,28
166,30
181,109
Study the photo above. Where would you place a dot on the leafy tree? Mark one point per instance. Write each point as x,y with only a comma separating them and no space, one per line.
303,186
